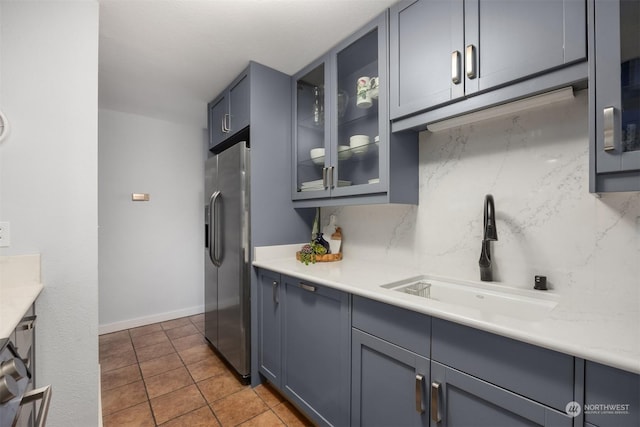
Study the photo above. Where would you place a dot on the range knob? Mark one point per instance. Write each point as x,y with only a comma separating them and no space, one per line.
14,368
8,388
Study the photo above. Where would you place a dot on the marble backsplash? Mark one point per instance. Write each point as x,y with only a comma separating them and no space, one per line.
535,163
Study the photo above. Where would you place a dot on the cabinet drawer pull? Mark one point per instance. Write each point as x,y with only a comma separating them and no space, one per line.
419,403
306,287
455,67
609,125
435,406
27,323
470,61
274,290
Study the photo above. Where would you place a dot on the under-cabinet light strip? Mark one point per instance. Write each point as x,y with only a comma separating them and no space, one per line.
536,101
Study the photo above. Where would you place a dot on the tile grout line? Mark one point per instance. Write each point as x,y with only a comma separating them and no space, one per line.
184,365
208,404
148,402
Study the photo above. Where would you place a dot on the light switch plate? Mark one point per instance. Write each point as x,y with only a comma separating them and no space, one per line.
5,234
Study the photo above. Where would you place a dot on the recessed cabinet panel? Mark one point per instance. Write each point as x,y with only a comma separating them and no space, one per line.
463,400
316,349
239,109
542,35
390,385
426,39
217,110
505,362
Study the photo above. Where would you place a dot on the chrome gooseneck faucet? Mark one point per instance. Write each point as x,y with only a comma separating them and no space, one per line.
490,234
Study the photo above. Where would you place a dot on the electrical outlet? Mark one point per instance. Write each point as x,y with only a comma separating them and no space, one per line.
5,234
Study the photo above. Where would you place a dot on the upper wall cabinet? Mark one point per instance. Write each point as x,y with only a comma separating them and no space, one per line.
447,50
344,152
229,112
615,96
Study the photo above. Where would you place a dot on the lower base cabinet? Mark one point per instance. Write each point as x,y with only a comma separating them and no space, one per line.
460,400
304,345
390,385
269,324
347,360
611,397
316,349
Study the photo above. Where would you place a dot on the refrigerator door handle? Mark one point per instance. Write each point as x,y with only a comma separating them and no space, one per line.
214,238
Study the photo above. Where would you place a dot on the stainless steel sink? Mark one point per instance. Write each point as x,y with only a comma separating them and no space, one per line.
488,299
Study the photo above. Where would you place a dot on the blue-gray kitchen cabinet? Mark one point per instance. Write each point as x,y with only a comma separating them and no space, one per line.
462,400
479,378
328,110
389,365
390,385
316,346
614,95
229,112
611,397
443,51
269,324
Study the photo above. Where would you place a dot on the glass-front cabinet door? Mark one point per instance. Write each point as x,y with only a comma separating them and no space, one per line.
341,119
630,77
311,132
617,94
357,106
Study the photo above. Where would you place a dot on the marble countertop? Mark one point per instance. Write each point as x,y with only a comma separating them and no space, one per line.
595,329
19,287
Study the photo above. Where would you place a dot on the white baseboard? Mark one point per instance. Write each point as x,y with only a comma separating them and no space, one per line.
147,320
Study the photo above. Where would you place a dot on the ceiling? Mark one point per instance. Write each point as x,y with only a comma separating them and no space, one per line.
167,58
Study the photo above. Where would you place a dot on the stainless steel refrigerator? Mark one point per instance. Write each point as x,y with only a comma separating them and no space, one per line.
227,256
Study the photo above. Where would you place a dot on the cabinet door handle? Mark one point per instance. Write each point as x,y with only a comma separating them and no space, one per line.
331,176
222,123
455,67
470,61
306,287
324,178
435,406
226,123
274,290
419,403
609,128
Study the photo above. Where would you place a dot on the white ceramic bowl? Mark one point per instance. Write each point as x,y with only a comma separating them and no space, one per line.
359,143
344,152
317,156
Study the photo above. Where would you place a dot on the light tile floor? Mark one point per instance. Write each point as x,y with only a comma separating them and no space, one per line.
165,374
